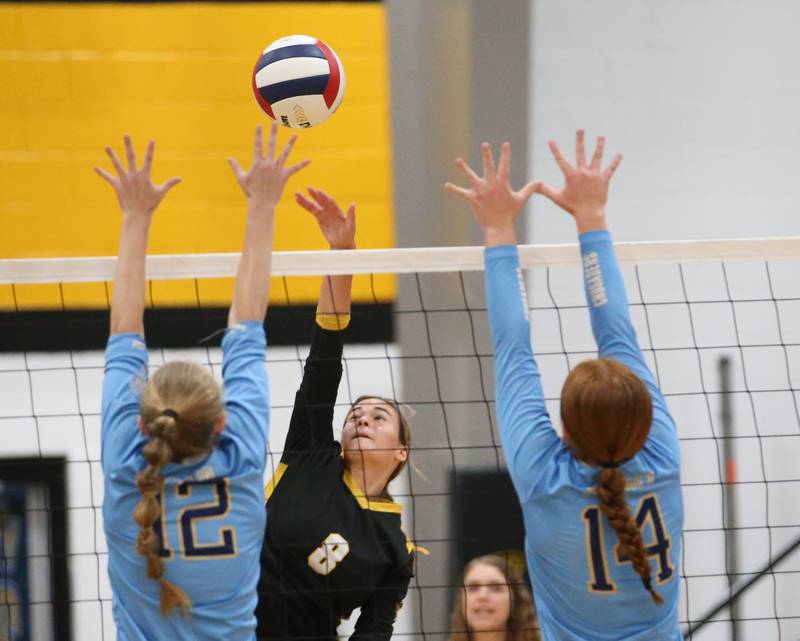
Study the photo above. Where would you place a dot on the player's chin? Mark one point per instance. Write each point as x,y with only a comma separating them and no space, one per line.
485,623
358,444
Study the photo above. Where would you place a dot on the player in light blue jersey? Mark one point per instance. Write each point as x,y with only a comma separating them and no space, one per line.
602,506
184,462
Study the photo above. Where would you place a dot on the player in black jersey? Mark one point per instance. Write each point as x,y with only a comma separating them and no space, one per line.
333,540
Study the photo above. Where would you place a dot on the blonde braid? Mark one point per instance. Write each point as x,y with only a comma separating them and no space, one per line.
611,492
157,452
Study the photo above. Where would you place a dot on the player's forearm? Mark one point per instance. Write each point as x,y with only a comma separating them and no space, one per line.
375,623
251,290
127,306
322,372
603,284
502,235
335,295
606,298
525,428
505,297
591,220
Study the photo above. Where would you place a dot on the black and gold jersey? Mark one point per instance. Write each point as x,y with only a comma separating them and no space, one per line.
327,548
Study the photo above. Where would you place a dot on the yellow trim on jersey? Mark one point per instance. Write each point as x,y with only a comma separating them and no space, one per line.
412,547
333,322
273,482
377,505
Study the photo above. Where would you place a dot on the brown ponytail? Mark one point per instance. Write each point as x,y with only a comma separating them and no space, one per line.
158,453
611,492
606,412
179,408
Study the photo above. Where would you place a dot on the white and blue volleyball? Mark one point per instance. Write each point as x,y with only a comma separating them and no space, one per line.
298,81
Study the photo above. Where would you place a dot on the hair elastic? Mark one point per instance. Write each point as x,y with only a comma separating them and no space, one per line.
170,412
610,465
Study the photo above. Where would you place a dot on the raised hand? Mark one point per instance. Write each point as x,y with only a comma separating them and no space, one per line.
264,181
137,194
494,204
585,190
338,228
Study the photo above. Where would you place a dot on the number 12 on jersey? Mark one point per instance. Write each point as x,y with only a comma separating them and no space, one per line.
647,513
192,513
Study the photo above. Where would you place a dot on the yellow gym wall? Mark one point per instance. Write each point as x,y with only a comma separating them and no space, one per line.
78,76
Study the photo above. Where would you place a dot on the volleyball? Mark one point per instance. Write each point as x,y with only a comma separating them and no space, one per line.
298,81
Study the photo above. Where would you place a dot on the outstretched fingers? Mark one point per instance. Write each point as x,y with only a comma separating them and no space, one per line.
167,185
612,167
130,153
489,171
323,198
562,162
580,149
466,194
237,168
287,150
148,157
291,171
504,169
597,158
465,169
273,141
114,182
309,205
548,191
258,143
115,161
528,190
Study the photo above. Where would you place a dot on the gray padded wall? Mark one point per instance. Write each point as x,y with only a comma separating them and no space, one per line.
459,76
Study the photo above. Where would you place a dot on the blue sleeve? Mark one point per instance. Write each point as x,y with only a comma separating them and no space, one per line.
244,375
125,375
529,441
615,336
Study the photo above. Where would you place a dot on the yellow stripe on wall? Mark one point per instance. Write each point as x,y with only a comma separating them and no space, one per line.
78,76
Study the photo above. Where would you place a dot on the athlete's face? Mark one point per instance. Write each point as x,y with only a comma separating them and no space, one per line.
487,598
373,429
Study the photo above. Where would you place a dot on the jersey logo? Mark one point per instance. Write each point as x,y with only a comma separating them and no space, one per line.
523,293
324,559
594,279
647,513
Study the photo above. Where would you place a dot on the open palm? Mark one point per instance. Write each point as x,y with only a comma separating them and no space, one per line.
585,190
137,193
492,200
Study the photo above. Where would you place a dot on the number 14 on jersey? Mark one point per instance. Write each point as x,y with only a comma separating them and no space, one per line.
647,513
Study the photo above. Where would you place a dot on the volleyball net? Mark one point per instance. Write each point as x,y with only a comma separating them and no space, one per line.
694,305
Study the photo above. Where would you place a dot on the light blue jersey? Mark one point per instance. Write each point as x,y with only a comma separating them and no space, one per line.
583,590
213,517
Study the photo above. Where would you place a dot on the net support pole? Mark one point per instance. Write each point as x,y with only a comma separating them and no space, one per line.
732,554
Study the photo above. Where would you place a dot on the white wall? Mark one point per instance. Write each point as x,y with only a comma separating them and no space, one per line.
701,96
